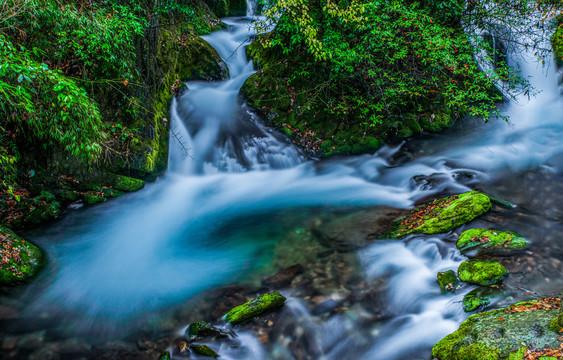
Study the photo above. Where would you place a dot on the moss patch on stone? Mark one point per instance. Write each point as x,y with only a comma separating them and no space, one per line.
501,334
125,183
204,350
44,207
20,260
481,272
444,214
448,281
203,330
484,240
479,298
260,305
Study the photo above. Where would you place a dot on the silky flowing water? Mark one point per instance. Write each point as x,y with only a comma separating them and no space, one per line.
243,202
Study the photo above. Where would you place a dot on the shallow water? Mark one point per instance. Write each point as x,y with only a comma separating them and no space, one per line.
245,202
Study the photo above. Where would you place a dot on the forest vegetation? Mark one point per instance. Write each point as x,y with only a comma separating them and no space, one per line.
85,85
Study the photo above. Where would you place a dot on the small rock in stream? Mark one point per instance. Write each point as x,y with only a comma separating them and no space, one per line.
284,277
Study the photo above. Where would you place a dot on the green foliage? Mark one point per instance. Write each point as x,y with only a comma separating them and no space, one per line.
43,107
375,62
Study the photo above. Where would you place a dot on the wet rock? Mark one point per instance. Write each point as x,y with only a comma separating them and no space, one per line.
481,272
448,281
479,298
434,181
260,305
327,306
204,350
487,241
503,334
203,330
284,277
117,350
44,354
356,230
443,215
8,312
20,260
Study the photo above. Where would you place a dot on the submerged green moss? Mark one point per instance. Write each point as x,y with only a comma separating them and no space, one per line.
165,356
479,298
448,281
260,305
204,350
20,260
203,330
444,214
481,272
484,240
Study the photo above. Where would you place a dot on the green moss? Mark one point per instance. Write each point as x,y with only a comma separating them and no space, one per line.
92,199
44,207
203,330
448,281
20,260
485,240
472,303
557,41
481,272
555,326
199,60
165,356
260,305
444,214
498,334
435,122
125,183
204,350
518,355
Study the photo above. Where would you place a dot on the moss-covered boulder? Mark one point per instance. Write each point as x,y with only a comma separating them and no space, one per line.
503,334
199,60
480,298
204,350
260,305
203,330
125,183
20,260
483,240
448,281
481,272
444,214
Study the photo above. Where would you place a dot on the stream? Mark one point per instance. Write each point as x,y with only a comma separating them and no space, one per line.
244,203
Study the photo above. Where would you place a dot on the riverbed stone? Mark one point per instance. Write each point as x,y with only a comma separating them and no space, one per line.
487,241
480,297
448,281
204,330
503,334
443,215
258,306
355,230
481,272
204,350
20,260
